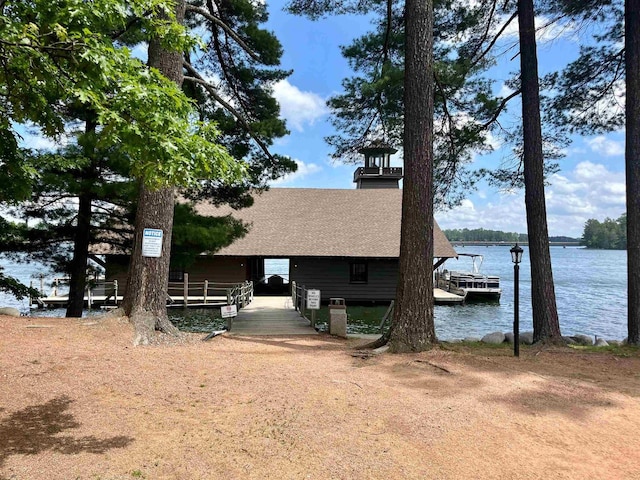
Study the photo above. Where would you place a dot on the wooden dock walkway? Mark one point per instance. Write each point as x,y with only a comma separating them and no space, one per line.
442,297
270,316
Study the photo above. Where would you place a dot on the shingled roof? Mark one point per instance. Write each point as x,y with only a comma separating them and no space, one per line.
290,222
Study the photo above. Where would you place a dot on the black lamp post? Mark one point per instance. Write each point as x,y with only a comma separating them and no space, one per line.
516,258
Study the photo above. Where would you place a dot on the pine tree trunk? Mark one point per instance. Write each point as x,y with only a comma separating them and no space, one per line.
546,326
78,270
413,327
82,237
632,160
146,294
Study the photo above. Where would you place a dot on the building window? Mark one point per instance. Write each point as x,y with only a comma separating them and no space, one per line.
176,275
358,272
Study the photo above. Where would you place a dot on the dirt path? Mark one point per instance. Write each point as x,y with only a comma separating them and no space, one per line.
77,401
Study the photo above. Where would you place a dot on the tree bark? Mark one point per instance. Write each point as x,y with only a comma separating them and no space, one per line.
632,162
78,270
413,327
146,294
546,326
82,237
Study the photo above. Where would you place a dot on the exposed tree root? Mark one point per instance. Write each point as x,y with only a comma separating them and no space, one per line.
380,342
146,323
434,365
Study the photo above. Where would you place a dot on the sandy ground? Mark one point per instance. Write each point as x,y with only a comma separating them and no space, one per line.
78,401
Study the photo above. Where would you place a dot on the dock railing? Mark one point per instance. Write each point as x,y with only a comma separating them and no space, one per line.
97,291
186,294
299,299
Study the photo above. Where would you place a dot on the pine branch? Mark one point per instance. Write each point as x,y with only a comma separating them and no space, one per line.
500,108
197,78
485,35
447,114
226,28
494,40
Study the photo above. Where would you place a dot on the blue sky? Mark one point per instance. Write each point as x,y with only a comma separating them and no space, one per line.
590,183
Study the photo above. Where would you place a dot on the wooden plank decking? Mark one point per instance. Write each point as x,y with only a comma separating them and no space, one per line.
442,297
270,316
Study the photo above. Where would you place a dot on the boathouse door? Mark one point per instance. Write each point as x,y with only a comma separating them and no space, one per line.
271,276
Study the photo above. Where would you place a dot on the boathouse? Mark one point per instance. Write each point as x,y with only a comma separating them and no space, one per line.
345,242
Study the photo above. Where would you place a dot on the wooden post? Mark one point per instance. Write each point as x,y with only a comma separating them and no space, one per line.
42,285
313,318
185,288
206,288
228,296
293,295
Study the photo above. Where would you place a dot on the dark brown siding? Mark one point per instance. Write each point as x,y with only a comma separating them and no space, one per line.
331,277
378,183
213,269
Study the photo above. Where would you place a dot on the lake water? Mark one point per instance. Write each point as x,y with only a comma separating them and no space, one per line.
590,286
591,293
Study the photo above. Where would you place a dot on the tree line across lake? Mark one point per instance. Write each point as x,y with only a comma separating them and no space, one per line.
609,234
482,235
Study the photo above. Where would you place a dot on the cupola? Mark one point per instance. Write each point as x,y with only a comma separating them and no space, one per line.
377,171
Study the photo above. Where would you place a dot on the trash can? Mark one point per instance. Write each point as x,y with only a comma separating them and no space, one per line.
338,317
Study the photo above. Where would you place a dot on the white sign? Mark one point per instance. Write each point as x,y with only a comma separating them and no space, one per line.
313,299
229,311
152,242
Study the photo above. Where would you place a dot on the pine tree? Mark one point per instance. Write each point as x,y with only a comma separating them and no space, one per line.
546,326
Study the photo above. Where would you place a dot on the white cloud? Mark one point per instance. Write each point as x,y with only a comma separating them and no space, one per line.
590,190
546,30
505,91
605,146
506,213
297,107
304,170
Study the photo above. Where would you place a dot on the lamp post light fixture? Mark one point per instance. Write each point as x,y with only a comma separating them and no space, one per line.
516,258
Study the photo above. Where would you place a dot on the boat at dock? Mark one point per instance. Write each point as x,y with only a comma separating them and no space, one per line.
472,284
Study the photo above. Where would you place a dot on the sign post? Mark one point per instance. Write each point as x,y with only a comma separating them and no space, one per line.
313,304
228,312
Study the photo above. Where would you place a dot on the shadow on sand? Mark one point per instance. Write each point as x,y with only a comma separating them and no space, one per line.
38,428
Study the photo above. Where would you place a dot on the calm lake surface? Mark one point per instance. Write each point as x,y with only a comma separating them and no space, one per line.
590,287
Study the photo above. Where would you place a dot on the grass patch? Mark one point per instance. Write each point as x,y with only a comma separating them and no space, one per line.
360,319
203,320
616,350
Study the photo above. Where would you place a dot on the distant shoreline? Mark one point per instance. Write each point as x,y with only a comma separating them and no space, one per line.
464,243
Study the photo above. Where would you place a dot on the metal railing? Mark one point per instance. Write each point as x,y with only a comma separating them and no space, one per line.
392,172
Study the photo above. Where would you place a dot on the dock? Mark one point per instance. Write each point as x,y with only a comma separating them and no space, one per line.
105,294
274,316
442,297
